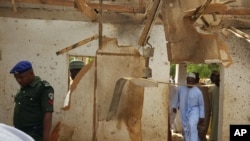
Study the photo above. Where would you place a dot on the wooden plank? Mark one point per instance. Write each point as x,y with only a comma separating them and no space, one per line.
100,25
141,5
220,9
118,8
200,10
14,5
239,33
245,11
152,16
49,2
85,9
211,8
114,8
227,2
85,41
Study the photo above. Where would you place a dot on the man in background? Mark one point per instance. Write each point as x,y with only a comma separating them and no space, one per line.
215,97
203,126
74,68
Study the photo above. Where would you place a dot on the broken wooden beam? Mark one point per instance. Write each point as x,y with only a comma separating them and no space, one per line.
239,33
121,8
14,5
85,41
227,2
85,9
200,10
243,11
149,23
203,19
118,8
212,8
220,9
48,2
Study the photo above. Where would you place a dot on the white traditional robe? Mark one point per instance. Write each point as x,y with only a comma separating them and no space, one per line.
9,133
191,104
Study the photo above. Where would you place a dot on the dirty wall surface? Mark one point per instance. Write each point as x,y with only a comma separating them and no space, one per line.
39,40
235,98
186,45
135,118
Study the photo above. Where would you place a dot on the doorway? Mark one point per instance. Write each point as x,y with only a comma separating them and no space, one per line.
178,77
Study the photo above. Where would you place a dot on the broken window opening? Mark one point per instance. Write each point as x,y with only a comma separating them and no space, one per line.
73,69
84,59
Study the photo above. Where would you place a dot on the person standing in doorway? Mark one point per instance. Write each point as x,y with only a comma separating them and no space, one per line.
203,126
33,102
190,101
74,68
215,79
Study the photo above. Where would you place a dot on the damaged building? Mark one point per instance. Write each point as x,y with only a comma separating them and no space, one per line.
121,94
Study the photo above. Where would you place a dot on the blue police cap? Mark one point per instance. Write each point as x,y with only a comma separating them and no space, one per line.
21,67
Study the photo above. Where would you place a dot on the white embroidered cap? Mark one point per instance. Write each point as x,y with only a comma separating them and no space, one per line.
191,75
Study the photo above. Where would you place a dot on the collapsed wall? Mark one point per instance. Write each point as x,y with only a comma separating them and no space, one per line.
91,95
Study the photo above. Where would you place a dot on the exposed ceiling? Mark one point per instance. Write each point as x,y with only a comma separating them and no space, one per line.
209,15
114,11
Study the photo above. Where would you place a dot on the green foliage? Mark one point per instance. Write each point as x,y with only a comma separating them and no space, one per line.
71,58
203,69
91,58
172,70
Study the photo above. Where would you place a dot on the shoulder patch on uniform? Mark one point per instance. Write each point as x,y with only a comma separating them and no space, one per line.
51,98
45,83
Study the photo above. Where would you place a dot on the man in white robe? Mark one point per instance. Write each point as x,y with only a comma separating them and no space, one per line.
189,100
9,133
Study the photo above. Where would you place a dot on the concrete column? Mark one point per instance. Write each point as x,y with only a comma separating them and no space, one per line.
180,72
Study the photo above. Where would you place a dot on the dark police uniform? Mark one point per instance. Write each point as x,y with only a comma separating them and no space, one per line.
32,102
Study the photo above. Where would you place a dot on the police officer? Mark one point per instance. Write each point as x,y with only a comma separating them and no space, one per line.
33,102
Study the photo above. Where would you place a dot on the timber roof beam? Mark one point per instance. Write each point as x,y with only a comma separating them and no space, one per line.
110,6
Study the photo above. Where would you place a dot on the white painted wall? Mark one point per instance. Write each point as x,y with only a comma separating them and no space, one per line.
39,40
234,89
